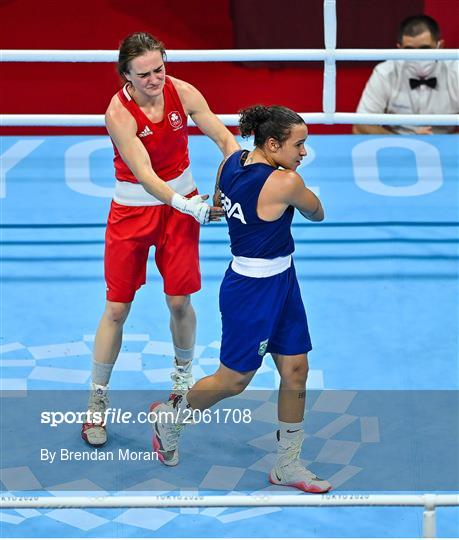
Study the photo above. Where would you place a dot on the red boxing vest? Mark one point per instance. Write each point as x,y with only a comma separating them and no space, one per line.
166,142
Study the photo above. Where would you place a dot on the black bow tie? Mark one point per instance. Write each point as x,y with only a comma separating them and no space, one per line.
431,83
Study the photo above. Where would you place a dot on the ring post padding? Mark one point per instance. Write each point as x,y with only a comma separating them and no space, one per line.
329,84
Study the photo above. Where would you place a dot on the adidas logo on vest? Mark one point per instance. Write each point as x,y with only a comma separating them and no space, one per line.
146,131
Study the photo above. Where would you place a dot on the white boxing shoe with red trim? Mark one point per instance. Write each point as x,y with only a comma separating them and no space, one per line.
296,475
290,471
166,431
182,378
95,433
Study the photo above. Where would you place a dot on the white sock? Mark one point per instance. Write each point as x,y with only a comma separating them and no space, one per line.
101,373
290,430
183,356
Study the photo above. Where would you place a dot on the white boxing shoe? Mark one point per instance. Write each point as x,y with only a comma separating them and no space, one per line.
182,378
95,433
290,471
166,431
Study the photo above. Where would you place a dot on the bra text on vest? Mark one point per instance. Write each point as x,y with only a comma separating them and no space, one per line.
234,210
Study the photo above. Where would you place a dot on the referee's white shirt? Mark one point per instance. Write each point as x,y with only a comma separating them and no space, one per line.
388,91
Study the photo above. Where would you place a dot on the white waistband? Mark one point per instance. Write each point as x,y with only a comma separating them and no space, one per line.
131,194
260,268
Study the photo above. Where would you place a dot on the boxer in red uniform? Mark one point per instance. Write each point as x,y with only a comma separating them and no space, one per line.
155,204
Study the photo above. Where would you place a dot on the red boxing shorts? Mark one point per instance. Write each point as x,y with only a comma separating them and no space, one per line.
131,231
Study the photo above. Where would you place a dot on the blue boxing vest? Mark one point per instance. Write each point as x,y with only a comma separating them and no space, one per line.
251,236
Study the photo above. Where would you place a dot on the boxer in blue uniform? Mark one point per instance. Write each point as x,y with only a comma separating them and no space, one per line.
260,300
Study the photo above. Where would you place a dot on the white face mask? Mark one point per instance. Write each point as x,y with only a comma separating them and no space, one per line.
420,69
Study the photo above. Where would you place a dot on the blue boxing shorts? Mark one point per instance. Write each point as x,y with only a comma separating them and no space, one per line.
260,315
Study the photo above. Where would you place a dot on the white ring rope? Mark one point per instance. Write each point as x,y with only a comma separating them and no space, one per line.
429,501
97,120
236,55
